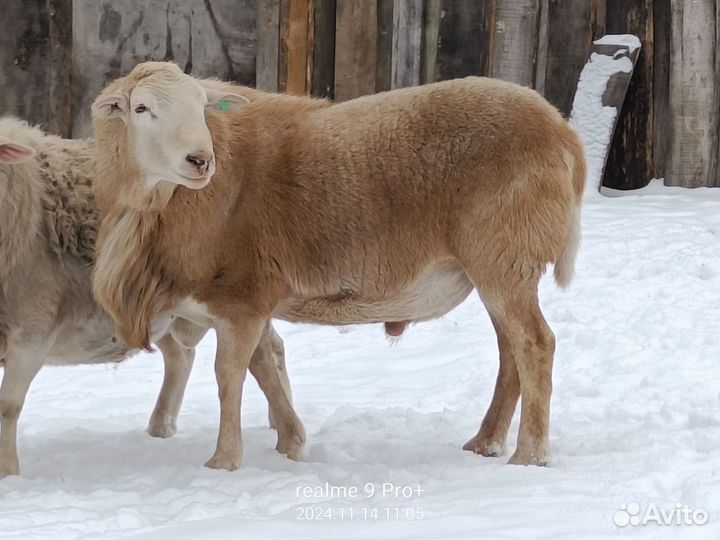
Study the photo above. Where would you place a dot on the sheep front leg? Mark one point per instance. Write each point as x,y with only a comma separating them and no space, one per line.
236,343
19,373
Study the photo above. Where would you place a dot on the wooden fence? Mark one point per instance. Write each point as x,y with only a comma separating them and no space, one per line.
55,55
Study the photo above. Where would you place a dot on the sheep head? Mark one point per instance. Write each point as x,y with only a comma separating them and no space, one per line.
152,123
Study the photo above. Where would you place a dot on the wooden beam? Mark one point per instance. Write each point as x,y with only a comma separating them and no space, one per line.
299,41
542,50
431,33
467,31
24,60
323,68
611,65
355,48
693,94
383,69
515,51
662,121
570,35
406,41
284,33
630,162
60,98
268,43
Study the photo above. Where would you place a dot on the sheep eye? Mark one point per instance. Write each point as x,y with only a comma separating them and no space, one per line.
140,109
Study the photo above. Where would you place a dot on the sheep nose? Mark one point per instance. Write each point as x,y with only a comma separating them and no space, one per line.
200,160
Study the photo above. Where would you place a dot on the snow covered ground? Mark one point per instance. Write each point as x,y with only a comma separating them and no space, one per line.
635,416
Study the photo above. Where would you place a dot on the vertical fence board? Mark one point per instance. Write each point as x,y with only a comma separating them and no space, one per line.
630,161
466,38
323,70
60,112
298,46
516,41
693,94
406,42
268,45
570,35
23,60
431,33
355,48
542,49
209,38
383,70
662,123
600,9
283,31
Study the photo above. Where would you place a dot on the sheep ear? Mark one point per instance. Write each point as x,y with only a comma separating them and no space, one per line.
223,101
13,153
115,105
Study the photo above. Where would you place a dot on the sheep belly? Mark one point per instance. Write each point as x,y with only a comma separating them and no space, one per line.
439,289
89,341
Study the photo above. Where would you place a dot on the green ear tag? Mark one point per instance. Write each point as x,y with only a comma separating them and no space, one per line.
224,105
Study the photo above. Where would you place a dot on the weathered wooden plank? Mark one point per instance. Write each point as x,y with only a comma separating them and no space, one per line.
268,45
662,122
467,31
630,162
355,49
60,112
23,60
431,33
384,54
600,10
570,35
407,41
210,38
323,69
694,93
516,41
298,46
283,48
542,49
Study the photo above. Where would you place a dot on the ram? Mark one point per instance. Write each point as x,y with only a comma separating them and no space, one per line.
48,228
388,208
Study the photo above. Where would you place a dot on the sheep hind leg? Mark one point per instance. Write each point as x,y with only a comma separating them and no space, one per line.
178,362
490,439
18,375
527,338
278,352
268,367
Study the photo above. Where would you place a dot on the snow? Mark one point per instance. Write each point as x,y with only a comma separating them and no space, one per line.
634,415
626,40
635,421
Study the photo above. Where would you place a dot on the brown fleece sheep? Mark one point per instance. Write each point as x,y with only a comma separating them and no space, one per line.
386,208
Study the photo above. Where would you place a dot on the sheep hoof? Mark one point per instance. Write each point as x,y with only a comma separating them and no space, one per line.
9,467
291,441
520,458
484,447
227,462
293,447
162,428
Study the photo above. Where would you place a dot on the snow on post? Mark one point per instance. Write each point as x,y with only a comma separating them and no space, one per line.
599,97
